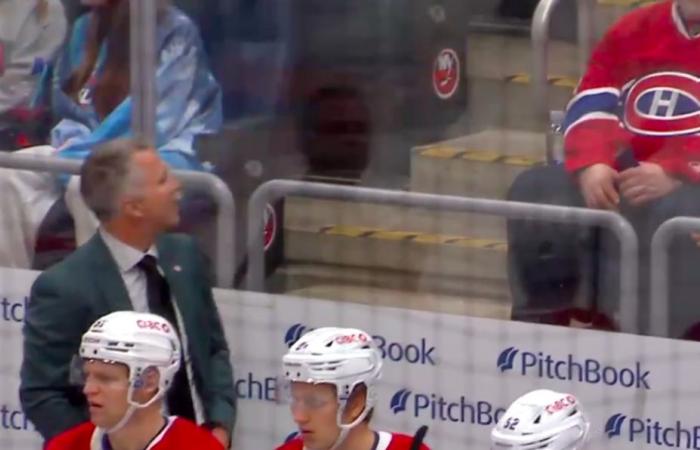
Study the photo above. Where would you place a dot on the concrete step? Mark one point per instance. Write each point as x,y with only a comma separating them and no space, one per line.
400,250
393,256
463,295
497,56
480,165
509,103
314,215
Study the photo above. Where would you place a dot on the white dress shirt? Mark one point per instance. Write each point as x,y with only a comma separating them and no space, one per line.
127,258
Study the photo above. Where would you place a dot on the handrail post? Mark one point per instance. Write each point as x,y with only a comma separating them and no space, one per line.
540,64
143,54
586,31
541,22
659,323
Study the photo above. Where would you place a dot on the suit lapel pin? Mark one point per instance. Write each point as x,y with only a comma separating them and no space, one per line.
177,269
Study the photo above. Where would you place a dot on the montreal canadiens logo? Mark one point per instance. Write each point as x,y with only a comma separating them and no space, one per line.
446,73
270,229
663,104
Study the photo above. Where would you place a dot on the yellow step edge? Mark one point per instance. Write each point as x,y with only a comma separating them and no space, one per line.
351,231
563,81
483,156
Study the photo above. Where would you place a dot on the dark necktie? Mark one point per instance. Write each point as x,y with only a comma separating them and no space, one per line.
159,302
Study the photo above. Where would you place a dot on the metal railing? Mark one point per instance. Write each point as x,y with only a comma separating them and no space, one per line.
274,190
211,184
143,55
541,22
659,323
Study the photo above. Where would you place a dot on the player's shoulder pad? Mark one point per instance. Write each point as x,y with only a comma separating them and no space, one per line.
72,438
401,441
293,444
184,430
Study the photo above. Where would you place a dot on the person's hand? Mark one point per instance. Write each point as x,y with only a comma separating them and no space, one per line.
696,238
647,182
221,435
597,184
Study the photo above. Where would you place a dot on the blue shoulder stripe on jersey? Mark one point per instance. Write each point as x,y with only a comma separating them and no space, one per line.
590,103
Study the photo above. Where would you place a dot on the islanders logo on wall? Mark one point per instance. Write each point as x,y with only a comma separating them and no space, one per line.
270,230
446,73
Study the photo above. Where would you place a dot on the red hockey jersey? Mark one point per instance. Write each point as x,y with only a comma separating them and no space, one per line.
178,434
385,441
641,92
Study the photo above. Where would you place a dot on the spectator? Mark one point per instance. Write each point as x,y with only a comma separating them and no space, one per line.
128,361
128,264
332,374
631,146
91,97
31,32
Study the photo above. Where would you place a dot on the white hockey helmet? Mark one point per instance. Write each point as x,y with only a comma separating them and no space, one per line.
542,420
344,357
139,341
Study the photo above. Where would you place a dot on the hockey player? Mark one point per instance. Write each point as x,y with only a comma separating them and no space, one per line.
331,374
542,419
129,360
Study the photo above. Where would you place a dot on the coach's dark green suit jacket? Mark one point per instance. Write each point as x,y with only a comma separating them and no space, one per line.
70,296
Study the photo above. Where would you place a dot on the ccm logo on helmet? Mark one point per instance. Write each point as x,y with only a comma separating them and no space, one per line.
560,404
416,352
153,325
352,338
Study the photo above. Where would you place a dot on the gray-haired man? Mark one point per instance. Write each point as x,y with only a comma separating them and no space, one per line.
130,263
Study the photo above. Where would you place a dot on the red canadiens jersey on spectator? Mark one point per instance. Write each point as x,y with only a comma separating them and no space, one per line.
641,92
385,441
178,434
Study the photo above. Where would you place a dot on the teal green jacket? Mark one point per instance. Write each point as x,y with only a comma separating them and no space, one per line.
66,299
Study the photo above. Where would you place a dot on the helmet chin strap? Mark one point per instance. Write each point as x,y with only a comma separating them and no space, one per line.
133,406
123,421
345,428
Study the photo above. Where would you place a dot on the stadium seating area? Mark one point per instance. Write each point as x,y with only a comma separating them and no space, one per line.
359,251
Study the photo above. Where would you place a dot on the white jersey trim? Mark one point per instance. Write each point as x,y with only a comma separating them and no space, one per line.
159,437
592,116
384,440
